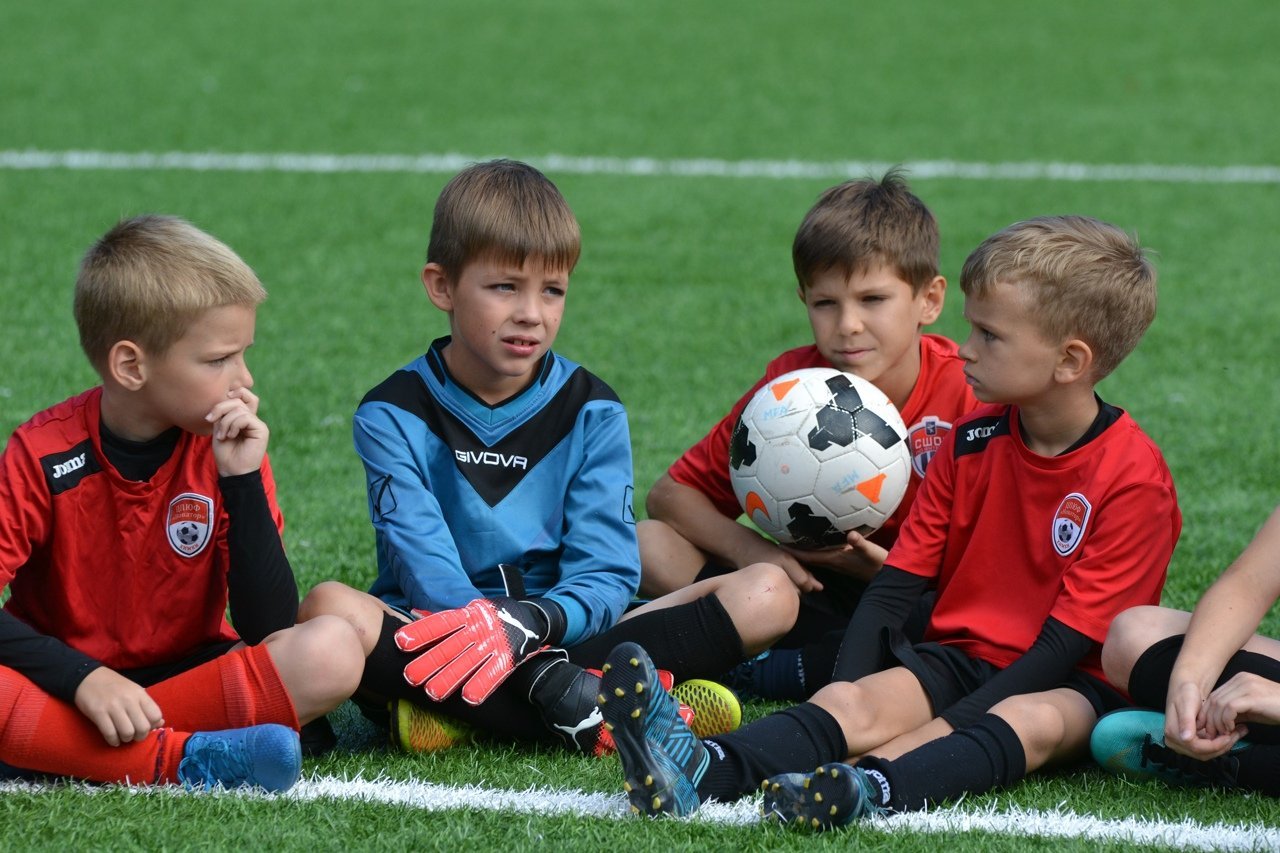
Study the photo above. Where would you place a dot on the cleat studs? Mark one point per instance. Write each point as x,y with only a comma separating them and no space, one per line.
639,686
807,782
821,771
626,786
608,726
832,812
764,786
635,809
635,715
600,699
835,774
775,788
657,804
814,822
648,781
817,798
635,662
606,667
619,692
799,819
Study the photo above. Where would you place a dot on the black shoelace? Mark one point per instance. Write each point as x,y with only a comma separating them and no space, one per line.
1222,771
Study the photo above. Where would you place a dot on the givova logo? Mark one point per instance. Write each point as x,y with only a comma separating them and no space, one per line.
489,457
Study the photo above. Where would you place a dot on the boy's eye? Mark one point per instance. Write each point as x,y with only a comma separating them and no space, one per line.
553,290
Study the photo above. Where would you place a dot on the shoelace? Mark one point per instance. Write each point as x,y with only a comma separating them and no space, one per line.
216,761
1222,770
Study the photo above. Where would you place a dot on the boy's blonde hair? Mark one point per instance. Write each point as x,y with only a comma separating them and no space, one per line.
148,278
1087,279
858,225
505,211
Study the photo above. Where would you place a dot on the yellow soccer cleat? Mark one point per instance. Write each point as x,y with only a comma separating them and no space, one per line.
416,729
716,708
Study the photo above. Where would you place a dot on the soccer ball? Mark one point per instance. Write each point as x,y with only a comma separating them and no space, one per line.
188,534
818,452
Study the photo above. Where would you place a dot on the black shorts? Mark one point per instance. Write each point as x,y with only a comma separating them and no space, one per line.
154,674
949,675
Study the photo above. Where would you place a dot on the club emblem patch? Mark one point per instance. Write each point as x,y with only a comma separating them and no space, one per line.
190,523
924,439
1069,523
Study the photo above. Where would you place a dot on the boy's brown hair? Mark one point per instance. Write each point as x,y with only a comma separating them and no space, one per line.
506,211
148,278
1086,279
858,225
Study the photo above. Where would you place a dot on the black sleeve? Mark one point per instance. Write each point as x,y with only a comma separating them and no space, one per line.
1044,666
886,603
55,667
261,588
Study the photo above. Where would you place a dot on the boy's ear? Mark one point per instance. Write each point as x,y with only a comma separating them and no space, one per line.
1075,362
932,297
436,282
126,365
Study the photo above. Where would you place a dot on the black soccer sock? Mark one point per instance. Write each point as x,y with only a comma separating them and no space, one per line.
694,640
799,738
779,675
384,668
971,760
1260,767
1149,679
819,661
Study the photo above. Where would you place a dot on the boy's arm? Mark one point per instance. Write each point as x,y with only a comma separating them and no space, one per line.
1045,665
55,667
886,603
1223,621
692,514
599,559
261,589
420,550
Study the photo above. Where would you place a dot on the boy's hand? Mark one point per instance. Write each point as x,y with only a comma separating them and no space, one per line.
859,557
1187,727
239,435
476,647
122,710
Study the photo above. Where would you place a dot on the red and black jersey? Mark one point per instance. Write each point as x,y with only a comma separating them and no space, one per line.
1013,538
940,397
128,573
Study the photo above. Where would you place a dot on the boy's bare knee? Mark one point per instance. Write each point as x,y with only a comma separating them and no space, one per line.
329,649
1132,633
327,597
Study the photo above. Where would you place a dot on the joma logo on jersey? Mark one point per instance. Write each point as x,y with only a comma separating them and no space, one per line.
488,457
980,432
61,469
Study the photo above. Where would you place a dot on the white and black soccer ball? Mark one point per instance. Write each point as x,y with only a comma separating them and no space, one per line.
188,534
818,452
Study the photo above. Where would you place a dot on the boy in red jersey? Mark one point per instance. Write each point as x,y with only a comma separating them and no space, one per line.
866,258
1217,681
133,513
1044,515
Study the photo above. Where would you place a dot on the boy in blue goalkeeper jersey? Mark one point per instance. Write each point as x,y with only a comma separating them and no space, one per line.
499,480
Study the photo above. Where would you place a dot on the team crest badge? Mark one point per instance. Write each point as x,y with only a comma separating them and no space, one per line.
1069,523
924,439
190,523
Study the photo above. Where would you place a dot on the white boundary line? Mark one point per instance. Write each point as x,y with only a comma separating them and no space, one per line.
450,162
429,796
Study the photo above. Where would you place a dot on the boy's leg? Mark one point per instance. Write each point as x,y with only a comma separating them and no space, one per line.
1019,735
668,561
44,734
705,629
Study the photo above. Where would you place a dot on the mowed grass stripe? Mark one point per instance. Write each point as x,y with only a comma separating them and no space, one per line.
450,162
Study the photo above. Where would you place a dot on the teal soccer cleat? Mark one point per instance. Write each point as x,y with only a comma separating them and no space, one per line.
662,760
267,757
1130,742
833,795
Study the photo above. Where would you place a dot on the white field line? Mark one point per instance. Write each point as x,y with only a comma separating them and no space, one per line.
450,162
429,796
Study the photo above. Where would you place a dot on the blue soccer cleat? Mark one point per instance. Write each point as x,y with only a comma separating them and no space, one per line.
833,795
267,757
1130,742
662,760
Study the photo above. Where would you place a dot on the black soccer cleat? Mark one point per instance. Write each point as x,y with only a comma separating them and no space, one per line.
833,795
662,760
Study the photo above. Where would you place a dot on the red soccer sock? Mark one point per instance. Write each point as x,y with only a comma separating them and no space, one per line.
241,688
41,733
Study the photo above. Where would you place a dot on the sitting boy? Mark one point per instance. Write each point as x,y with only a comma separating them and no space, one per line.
1217,681
1044,515
499,478
866,258
133,513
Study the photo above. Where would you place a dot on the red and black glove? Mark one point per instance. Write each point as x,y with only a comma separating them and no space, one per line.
476,647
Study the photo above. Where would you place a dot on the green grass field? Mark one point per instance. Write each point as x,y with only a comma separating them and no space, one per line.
684,289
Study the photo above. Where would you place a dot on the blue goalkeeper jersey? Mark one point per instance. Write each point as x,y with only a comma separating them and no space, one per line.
542,481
